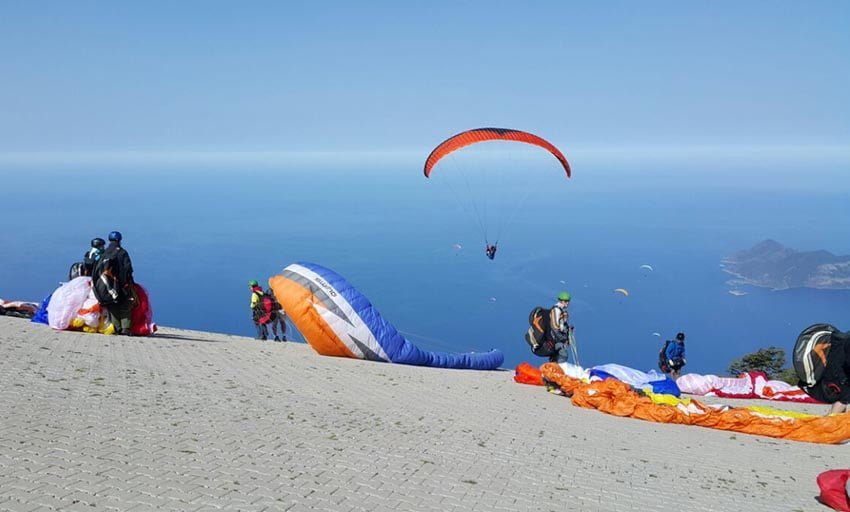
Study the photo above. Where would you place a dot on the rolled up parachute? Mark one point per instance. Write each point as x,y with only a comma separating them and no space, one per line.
338,320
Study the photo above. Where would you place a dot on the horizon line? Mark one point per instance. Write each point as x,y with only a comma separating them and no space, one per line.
165,156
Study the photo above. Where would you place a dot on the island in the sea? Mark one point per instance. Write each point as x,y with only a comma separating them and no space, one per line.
769,264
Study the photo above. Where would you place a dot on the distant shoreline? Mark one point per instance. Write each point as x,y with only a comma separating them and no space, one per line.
769,264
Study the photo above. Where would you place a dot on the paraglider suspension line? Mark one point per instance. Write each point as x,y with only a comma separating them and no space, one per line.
507,221
440,344
574,348
478,215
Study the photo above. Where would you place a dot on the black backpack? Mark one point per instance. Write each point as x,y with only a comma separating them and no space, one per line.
537,335
811,353
105,282
89,263
77,270
662,359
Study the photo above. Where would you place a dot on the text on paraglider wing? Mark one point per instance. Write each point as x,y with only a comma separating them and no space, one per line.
325,286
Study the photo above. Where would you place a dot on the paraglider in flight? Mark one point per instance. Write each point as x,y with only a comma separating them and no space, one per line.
479,135
658,334
646,267
622,291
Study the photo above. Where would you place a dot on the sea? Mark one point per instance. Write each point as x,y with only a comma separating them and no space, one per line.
198,228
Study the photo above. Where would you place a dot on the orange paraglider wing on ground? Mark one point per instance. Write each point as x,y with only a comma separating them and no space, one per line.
618,398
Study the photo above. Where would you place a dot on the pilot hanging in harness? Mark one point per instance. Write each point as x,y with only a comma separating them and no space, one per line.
490,251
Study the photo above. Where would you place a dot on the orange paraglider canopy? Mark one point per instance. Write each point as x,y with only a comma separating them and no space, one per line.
618,398
477,135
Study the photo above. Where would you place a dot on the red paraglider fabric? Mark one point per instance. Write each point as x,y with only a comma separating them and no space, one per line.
141,319
833,489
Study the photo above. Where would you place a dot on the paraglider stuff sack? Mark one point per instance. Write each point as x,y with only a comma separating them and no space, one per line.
833,489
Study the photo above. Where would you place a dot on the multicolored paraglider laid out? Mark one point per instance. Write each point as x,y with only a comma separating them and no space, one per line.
748,385
18,308
74,307
338,320
630,393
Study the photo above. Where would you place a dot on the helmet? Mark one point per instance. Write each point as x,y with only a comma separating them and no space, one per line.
115,236
253,282
98,242
680,336
564,296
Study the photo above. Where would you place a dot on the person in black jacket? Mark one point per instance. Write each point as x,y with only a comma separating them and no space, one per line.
113,284
834,386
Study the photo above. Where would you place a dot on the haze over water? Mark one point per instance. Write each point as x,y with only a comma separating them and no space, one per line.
198,232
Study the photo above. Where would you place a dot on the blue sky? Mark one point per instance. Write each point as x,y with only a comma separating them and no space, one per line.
381,76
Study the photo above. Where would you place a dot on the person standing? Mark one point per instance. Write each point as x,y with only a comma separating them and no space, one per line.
559,328
278,318
671,359
114,288
260,313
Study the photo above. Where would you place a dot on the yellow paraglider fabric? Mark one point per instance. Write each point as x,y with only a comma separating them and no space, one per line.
770,411
667,399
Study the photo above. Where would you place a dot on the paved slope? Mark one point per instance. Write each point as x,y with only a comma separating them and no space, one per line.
198,421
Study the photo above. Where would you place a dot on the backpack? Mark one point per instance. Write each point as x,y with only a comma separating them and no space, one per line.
275,305
537,334
265,309
811,353
105,283
662,359
77,270
89,261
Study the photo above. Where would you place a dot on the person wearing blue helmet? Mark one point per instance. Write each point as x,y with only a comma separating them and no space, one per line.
113,284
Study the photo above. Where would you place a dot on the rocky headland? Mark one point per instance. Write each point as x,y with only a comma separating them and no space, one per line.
769,264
